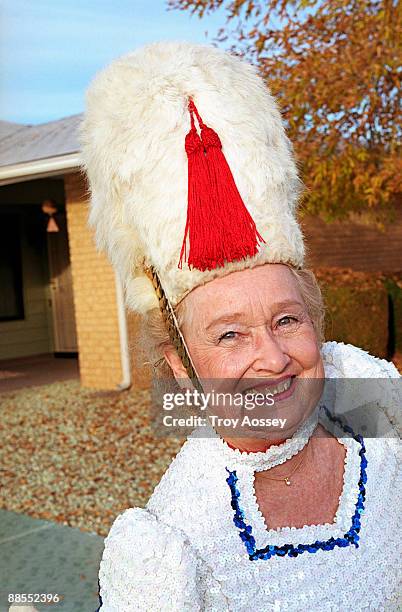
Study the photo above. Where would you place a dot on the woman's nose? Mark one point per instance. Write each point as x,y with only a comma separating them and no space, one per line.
270,354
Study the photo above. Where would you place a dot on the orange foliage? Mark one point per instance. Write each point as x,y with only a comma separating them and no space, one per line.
335,68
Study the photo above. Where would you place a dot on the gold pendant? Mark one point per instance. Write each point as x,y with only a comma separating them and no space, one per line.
287,481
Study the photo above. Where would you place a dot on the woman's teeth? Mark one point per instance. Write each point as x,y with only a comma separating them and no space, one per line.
270,389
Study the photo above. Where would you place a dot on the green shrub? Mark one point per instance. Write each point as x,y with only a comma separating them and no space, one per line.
393,285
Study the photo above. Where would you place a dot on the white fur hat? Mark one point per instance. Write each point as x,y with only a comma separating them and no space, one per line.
133,147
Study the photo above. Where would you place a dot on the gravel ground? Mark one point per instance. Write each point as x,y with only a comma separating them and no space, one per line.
76,456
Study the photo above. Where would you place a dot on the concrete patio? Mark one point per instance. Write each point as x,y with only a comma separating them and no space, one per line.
45,557
37,370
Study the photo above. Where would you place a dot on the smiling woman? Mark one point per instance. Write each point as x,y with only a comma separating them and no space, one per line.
275,502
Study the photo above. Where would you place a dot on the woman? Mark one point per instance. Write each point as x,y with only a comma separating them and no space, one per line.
193,195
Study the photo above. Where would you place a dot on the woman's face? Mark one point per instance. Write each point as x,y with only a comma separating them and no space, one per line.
249,332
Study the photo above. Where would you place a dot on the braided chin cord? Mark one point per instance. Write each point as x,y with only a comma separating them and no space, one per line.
172,327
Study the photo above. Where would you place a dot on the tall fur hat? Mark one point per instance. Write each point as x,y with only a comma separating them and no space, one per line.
181,208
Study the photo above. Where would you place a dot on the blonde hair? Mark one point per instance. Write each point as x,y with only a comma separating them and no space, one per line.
155,337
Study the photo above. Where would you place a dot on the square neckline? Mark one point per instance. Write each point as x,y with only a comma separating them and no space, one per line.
295,535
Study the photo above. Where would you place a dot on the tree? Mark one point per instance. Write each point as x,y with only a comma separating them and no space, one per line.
335,68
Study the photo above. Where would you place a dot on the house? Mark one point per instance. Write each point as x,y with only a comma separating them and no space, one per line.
59,295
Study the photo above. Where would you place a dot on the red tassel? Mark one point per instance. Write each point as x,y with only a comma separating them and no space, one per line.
223,231
200,203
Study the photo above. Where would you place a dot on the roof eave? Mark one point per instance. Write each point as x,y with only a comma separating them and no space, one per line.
39,168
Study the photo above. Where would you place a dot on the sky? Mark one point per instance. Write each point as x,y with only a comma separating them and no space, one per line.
51,49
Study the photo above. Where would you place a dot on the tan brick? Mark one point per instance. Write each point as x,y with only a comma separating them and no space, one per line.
94,296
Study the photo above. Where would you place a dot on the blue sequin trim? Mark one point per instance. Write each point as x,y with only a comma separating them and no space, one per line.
349,538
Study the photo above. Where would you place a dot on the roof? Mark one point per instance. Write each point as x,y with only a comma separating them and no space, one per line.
30,151
20,143
7,128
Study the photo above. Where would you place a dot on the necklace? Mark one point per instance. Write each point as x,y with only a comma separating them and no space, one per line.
286,479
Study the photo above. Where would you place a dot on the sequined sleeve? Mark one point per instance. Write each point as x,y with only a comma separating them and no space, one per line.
147,566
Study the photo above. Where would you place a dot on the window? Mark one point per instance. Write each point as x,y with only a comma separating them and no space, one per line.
11,296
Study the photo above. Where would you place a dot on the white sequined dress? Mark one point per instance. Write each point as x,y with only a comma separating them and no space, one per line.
184,551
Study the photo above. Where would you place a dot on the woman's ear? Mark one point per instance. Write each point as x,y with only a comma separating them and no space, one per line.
178,369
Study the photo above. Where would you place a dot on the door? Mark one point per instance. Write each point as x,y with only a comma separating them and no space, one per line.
61,289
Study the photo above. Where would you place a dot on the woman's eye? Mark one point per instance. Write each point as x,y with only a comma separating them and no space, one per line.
286,321
228,335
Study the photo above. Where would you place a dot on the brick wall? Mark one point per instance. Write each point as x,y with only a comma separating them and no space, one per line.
94,296
353,245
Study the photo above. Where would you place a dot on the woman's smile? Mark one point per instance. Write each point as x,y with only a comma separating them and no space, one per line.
278,390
